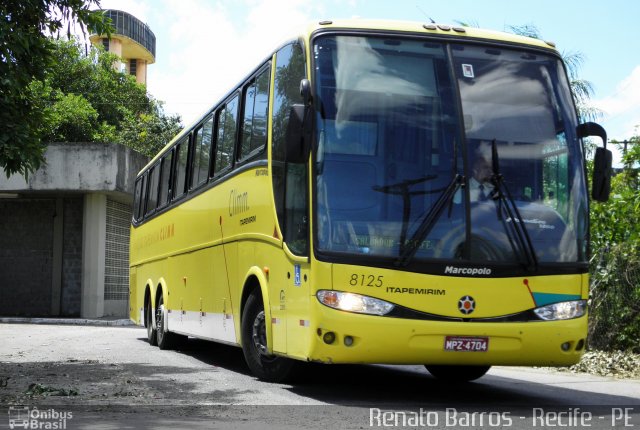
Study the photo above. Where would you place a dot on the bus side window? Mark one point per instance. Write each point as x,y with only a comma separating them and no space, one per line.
165,179
143,196
201,153
195,165
205,152
152,195
137,200
181,168
254,127
226,138
290,182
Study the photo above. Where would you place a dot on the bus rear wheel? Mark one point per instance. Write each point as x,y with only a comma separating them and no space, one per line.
254,344
151,328
457,373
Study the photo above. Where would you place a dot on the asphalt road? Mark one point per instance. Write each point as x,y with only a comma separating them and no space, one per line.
109,377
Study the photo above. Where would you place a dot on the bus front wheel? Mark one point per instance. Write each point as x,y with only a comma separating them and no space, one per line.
457,373
254,344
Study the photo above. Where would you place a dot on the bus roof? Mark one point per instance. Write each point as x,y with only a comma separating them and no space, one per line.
408,27
428,28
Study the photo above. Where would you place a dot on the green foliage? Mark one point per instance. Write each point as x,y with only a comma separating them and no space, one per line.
90,101
615,268
614,322
25,55
51,90
149,132
618,220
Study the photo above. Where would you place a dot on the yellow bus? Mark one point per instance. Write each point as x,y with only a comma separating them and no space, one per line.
376,192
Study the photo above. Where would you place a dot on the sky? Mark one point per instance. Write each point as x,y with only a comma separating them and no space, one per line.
204,47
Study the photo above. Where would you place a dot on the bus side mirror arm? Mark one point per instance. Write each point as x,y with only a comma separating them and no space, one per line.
602,162
298,134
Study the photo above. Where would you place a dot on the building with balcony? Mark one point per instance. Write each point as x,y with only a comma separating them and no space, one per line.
132,41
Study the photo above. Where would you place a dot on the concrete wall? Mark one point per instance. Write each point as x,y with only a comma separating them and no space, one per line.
52,230
82,167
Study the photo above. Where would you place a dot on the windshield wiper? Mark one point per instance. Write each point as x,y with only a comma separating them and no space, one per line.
402,189
409,248
507,203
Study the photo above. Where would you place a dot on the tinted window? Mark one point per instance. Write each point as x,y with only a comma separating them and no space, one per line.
256,103
152,197
181,168
197,149
205,150
517,109
143,196
249,101
292,210
202,151
386,156
165,178
137,199
227,120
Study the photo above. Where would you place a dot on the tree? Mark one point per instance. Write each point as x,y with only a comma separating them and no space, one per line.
84,99
624,204
615,268
25,56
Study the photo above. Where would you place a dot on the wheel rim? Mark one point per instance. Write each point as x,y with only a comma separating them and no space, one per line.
159,320
150,327
259,334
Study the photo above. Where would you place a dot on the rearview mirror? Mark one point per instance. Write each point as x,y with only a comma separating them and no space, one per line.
602,161
601,186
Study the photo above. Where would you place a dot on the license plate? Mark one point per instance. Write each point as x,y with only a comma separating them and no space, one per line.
466,344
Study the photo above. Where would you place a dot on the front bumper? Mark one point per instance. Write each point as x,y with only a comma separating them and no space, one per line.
376,339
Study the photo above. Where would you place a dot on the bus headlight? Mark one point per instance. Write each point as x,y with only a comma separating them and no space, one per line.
562,310
351,302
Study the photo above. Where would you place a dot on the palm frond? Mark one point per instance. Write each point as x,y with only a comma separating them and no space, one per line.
473,23
528,30
582,89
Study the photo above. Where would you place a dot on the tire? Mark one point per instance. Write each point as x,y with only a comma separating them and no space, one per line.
166,339
151,327
267,367
457,373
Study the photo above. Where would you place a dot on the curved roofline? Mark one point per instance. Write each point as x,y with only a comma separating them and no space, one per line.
418,27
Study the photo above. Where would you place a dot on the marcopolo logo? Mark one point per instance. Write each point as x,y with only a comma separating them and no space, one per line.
471,271
24,417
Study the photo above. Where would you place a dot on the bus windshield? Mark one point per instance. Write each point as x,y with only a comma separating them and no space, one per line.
402,173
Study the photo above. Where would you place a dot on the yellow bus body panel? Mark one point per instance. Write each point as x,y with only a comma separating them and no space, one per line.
382,339
399,341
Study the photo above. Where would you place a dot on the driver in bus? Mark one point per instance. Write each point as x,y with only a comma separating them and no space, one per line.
479,184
